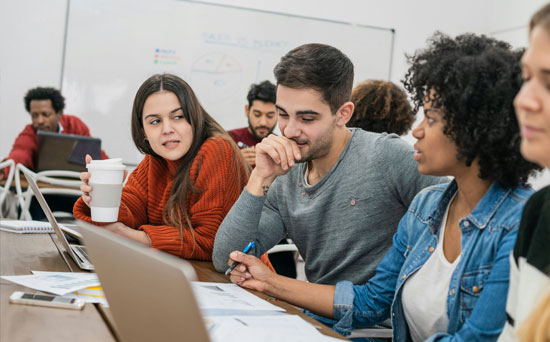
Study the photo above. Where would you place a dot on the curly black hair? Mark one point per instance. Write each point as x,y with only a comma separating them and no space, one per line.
45,93
264,91
475,79
381,106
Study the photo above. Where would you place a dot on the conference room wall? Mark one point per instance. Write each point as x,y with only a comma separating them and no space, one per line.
33,34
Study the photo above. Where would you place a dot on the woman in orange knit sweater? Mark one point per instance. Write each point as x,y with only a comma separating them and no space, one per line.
189,159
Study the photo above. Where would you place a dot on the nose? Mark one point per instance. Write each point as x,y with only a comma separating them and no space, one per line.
167,127
291,130
263,120
40,119
418,131
526,99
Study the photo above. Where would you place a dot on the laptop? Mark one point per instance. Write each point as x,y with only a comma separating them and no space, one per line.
149,292
77,252
65,151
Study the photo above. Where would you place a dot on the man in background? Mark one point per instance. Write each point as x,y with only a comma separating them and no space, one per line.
262,119
45,106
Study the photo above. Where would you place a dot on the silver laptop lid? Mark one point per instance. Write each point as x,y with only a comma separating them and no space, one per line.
148,291
51,219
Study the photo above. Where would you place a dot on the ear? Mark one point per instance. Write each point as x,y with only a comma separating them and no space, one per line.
344,113
246,108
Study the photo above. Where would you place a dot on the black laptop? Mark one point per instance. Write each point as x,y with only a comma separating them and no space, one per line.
65,151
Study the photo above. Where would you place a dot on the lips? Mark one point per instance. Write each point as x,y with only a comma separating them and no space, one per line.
529,132
171,143
417,153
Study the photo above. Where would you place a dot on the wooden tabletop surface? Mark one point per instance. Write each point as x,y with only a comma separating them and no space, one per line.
21,253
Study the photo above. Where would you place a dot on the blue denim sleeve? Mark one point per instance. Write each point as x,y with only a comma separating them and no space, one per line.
489,314
359,306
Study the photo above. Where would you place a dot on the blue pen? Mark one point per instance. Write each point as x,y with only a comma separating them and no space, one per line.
245,251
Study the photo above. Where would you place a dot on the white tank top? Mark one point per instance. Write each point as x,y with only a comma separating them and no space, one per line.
425,292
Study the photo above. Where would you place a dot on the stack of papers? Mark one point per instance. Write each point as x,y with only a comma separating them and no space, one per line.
234,314
84,286
279,328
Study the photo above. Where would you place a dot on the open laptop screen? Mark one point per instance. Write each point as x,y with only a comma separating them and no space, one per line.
65,151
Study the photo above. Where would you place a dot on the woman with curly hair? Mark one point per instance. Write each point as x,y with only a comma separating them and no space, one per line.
381,106
528,304
446,275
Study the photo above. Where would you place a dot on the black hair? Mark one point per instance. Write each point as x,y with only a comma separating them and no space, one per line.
45,93
475,79
320,67
264,91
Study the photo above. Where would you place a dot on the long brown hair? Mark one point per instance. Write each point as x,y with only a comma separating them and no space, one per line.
203,127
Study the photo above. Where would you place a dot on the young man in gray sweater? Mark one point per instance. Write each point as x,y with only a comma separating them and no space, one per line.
338,193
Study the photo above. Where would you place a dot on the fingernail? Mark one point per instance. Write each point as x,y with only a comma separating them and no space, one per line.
234,254
248,275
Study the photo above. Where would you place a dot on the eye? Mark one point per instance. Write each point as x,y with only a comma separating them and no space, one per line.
154,122
178,117
305,119
283,115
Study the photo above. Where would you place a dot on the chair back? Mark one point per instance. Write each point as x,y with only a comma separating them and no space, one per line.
50,182
5,189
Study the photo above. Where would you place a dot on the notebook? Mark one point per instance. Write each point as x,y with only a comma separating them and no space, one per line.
23,227
65,151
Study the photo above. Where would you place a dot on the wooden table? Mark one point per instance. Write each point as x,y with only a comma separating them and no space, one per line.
21,253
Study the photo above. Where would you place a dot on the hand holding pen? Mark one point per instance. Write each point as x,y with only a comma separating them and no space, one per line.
247,249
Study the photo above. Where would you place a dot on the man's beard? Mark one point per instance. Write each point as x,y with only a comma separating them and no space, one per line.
253,130
319,150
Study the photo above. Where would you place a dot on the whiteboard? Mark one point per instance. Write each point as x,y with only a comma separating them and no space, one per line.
111,47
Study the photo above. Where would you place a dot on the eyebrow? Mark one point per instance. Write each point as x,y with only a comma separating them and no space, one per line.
542,71
157,115
300,112
259,111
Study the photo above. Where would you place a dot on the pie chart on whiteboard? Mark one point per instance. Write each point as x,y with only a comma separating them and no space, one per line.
216,73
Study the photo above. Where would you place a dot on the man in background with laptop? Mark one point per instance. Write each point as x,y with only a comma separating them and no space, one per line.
45,106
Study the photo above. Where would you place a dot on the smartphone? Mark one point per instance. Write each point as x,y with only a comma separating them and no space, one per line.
39,299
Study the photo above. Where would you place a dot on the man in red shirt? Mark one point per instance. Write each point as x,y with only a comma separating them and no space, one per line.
262,119
45,105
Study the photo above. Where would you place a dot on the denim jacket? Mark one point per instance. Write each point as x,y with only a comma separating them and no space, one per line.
479,284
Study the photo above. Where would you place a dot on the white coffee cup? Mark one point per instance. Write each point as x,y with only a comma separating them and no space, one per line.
106,177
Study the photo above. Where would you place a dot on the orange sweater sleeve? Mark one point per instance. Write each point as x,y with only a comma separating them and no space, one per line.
219,183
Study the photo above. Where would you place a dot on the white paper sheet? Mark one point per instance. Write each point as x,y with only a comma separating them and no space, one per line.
92,294
222,297
279,328
59,283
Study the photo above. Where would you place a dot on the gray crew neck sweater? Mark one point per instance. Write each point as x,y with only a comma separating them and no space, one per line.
344,224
